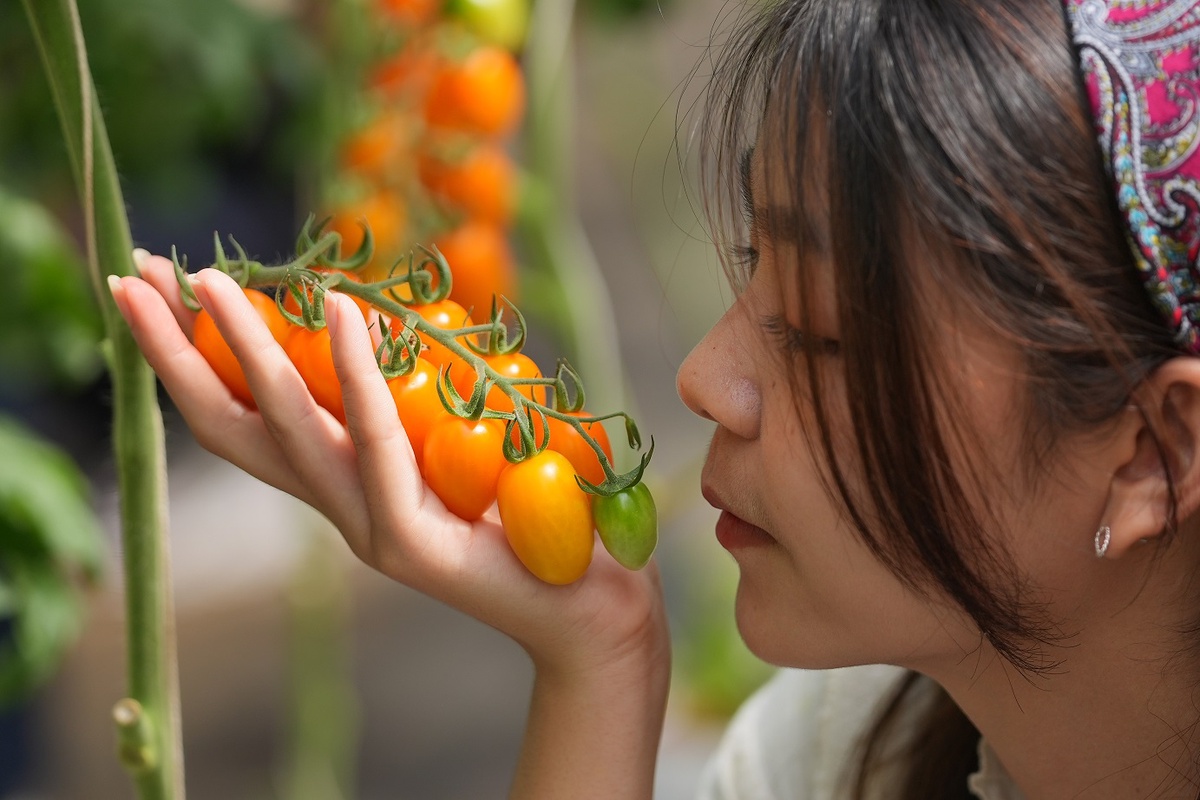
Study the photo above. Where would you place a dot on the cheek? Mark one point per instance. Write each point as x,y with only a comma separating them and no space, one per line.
1052,536
1037,516
821,599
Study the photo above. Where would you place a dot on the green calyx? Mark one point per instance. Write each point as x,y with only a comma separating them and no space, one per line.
498,342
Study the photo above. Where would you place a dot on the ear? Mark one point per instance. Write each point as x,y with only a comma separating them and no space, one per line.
1156,447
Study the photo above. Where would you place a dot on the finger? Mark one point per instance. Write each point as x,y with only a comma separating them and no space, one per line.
160,273
220,423
386,464
318,448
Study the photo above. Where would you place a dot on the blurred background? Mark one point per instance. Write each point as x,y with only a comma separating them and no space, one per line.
304,674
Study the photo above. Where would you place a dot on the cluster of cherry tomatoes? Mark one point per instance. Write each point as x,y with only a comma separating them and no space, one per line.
428,160
472,461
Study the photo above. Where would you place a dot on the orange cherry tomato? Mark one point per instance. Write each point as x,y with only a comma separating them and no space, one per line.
408,73
418,405
374,150
566,440
482,185
482,262
463,462
410,13
446,315
483,96
216,352
387,215
514,365
547,518
311,353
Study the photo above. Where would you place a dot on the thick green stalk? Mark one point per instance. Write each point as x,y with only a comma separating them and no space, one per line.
324,707
149,738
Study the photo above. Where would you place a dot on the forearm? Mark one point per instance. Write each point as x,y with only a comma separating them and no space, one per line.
594,737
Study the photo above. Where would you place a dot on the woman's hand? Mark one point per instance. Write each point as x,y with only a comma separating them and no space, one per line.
364,478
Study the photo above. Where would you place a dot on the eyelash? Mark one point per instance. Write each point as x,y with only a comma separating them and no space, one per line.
797,341
744,255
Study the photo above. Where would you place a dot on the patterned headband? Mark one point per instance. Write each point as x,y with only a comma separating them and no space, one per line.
1141,63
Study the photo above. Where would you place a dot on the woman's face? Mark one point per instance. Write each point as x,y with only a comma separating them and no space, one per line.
810,592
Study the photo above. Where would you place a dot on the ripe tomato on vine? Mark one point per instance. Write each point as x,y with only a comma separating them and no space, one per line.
547,518
216,352
384,212
566,440
404,75
418,405
481,185
513,366
483,265
409,13
378,146
463,461
484,95
311,352
446,315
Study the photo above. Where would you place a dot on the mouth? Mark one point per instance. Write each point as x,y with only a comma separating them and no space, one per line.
733,532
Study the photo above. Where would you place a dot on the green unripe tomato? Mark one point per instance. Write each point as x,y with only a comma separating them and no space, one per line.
499,22
628,525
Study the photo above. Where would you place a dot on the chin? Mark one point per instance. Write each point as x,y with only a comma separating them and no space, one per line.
779,638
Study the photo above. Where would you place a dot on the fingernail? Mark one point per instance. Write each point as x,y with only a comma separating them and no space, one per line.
200,288
139,257
332,310
118,293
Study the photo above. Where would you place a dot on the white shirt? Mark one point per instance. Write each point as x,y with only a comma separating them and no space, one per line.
797,737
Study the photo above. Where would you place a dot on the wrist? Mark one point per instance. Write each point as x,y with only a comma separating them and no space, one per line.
594,728
640,659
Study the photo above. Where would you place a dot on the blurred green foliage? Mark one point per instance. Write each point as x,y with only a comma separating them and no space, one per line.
716,671
178,81
51,326
190,90
50,543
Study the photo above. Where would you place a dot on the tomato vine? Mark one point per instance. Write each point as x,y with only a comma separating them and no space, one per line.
319,268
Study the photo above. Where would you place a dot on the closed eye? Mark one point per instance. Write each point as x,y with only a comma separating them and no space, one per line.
797,341
742,255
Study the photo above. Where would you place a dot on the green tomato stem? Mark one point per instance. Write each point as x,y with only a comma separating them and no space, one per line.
378,294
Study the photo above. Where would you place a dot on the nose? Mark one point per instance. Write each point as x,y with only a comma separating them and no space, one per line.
717,380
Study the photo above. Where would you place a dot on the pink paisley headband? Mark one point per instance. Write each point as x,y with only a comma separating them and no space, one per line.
1141,63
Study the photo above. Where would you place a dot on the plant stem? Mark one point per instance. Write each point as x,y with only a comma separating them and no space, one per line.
150,728
324,707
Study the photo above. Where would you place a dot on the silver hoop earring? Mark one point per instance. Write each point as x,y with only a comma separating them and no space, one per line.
1103,538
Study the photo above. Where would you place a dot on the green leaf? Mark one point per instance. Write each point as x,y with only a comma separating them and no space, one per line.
49,536
51,325
48,619
44,508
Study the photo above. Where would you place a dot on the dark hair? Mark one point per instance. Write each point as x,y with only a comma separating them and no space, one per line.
962,127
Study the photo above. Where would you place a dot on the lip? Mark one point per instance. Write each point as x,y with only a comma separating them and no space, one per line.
733,532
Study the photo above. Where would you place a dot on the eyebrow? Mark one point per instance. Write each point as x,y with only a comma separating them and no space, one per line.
782,222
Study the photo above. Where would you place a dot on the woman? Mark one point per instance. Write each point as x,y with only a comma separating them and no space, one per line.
957,421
